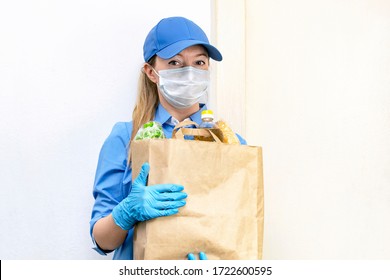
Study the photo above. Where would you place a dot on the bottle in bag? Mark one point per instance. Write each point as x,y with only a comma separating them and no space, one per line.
207,119
207,123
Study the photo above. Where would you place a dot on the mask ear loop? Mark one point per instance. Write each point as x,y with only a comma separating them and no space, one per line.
154,70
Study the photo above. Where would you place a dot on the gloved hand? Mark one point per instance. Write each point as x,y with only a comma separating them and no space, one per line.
202,256
145,203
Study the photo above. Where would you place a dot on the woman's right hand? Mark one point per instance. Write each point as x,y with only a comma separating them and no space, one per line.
145,203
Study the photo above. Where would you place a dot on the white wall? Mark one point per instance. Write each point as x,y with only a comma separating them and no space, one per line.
68,72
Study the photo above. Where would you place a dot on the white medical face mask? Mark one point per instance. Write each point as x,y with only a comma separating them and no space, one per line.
183,87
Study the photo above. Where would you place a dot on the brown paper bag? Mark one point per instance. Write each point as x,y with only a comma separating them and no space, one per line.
223,216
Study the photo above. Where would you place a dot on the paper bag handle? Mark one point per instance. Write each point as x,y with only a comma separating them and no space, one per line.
185,123
179,131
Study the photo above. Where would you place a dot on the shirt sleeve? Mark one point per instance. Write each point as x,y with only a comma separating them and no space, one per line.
111,171
242,140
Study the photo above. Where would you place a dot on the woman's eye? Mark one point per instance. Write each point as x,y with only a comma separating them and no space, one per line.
200,63
174,63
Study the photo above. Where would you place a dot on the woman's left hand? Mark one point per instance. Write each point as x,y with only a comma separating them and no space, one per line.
202,256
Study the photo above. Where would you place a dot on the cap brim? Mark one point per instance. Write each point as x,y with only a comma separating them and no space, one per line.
175,48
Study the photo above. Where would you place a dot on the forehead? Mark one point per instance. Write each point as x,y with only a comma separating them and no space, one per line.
191,53
194,51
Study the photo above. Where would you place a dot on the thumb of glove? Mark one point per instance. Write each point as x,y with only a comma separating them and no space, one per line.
142,177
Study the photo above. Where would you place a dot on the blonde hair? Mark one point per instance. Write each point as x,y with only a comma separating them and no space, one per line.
146,103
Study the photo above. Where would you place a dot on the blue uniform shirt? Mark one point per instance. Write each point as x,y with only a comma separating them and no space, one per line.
113,175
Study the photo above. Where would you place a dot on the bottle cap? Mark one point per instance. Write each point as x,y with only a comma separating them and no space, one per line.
207,114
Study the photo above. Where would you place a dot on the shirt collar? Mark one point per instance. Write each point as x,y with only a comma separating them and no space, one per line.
197,117
162,116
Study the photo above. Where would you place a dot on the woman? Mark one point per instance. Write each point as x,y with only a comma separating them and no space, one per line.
173,82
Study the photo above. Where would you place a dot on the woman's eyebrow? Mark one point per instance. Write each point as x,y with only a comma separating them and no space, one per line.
203,54
196,55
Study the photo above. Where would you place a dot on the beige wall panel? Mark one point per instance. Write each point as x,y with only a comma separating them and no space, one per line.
318,102
228,32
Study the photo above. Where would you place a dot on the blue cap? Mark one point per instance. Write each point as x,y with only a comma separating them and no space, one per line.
172,35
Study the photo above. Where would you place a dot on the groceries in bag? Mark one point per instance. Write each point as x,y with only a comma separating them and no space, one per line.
150,130
229,137
207,119
220,128
209,124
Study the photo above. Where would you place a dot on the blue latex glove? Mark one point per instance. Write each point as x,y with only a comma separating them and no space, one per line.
145,203
202,256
